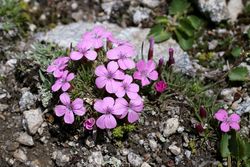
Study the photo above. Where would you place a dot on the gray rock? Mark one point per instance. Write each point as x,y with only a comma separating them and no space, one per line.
32,120
170,126
151,3
235,7
25,139
216,9
3,107
187,153
243,107
27,100
140,14
107,7
96,158
145,164
174,149
74,6
113,161
60,157
77,16
20,155
228,94
11,146
134,159
73,32
153,144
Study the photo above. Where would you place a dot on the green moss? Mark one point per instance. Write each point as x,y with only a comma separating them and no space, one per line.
120,131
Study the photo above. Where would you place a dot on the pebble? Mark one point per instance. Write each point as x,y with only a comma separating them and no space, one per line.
96,158
140,15
134,159
20,155
153,144
74,5
180,129
170,126
12,146
60,158
113,161
151,3
27,100
187,153
3,107
32,120
25,139
174,149
145,164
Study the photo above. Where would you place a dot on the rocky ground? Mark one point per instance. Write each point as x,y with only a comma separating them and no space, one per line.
165,136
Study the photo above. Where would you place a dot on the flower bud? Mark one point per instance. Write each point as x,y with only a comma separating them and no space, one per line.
160,86
89,123
203,112
199,128
151,48
171,57
160,65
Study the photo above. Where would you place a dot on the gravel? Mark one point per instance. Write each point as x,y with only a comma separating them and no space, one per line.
32,120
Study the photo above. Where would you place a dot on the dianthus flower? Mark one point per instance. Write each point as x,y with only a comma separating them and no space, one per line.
106,77
57,66
160,86
68,109
89,123
228,122
84,50
63,82
145,72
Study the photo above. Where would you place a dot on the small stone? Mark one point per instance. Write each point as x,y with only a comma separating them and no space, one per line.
170,126
180,129
25,139
124,152
140,15
60,158
174,149
74,5
235,7
213,44
27,100
153,144
96,158
187,153
32,120
35,163
113,161
145,164
3,107
12,146
134,159
77,16
141,142
20,155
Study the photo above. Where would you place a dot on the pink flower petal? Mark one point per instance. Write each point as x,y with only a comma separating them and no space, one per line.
100,122
221,115
224,127
120,92
133,88
51,68
65,86
100,82
121,106
101,71
145,81
127,79
76,55
57,73
141,65
77,104
109,102
69,117
80,112
60,110
150,65
129,63
132,95
132,116
98,106
65,99
57,85
110,121
137,75
119,75
111,86
235,126
234,118
153,75
91,55
70,76
112,66
113,54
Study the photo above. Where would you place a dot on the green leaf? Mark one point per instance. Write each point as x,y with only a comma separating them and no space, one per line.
186,27
161,20
178,7
234,145
196,22
185,43
159,33
224,146
238,74
236,52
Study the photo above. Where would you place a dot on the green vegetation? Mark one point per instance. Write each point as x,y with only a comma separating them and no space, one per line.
120,131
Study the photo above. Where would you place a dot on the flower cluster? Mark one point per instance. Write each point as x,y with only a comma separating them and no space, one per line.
116,74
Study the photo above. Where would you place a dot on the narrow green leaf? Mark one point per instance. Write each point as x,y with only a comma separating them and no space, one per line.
178,7
234,145
238,74
196,22
186,27
184,43
224,146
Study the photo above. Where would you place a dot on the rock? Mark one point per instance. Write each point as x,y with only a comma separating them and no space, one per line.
174,149
107,7
180,129
11,146
243,107
77,16
235,7
145,164
3,107
20,155
96,158
212,44
60,157
187,153
216,9
228,94
140,15
170,126
27,100
151,3
74,6
153,144
114,162
35,163
134,159
73,32
25,139
32,120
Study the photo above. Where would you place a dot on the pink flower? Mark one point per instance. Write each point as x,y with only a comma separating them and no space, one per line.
106,107
63,82
145,72
117,42
131,109
106,77
83,48
228,122
123,54
127,87
151,48
68,109
89,123
96,37
57,66
160,86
